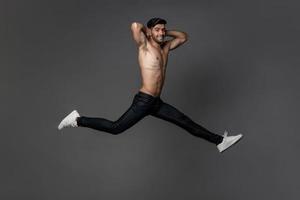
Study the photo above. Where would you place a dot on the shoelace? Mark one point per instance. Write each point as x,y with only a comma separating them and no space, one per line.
225,134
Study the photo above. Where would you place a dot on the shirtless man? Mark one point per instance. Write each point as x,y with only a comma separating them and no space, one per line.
153,52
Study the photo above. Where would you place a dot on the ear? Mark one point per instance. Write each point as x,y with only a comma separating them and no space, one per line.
148,32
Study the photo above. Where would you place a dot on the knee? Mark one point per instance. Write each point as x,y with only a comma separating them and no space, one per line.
116,130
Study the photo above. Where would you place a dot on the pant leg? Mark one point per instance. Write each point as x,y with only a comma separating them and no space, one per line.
139,108
169,113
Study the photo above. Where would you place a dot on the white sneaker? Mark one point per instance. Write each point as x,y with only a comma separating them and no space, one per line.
70,120
228,141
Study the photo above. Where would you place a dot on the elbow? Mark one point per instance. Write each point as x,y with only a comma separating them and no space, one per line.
133,25
136,25
185,37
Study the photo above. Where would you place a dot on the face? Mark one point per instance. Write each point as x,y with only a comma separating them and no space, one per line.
158,33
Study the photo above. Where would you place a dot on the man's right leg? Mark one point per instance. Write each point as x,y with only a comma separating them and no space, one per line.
127,120
140,107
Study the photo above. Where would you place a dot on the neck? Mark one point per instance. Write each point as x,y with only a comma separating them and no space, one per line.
155,44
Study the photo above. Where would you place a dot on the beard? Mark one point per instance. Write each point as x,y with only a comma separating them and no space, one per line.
159,39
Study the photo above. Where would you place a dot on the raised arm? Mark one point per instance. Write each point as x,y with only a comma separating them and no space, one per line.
139,33
178,38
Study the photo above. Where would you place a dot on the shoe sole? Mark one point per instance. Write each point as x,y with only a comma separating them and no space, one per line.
233,144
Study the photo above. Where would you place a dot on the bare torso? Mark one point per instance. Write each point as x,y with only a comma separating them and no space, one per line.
153,63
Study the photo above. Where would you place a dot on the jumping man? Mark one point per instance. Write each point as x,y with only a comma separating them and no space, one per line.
153,52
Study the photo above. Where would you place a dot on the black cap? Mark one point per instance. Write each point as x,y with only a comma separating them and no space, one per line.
152,22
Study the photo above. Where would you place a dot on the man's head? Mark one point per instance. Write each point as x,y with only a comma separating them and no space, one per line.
157,30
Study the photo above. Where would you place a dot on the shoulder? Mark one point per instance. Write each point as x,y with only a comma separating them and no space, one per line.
166,45
145,45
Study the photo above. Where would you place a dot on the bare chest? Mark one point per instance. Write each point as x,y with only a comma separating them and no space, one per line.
152,58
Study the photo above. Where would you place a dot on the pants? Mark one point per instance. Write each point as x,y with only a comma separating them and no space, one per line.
145,104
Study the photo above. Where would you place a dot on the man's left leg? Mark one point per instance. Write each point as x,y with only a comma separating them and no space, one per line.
169,113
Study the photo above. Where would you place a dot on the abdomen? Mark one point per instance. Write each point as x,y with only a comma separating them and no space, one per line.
152,80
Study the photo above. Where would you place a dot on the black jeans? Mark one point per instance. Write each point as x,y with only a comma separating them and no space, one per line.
145,104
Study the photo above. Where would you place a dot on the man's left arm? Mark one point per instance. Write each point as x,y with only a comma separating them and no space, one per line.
178,38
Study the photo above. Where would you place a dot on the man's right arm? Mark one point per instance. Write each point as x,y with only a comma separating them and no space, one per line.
139,33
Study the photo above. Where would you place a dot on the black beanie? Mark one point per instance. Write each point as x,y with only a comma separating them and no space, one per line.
152,22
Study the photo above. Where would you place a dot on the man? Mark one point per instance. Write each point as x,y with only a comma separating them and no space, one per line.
153,53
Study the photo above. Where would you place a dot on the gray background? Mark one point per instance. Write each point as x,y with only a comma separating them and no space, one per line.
238,72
